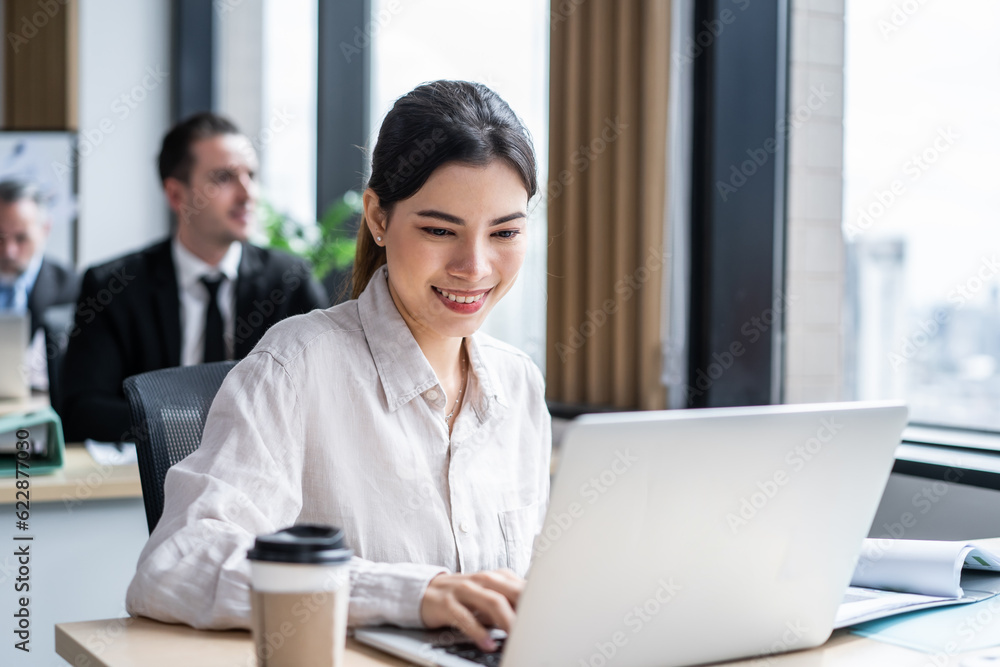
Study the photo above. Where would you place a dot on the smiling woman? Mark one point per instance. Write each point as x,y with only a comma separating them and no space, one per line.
417,137
450,251
389,415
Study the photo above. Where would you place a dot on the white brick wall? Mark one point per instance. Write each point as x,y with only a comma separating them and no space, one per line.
815,271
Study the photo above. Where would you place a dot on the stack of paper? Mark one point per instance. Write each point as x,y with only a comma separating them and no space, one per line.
897,576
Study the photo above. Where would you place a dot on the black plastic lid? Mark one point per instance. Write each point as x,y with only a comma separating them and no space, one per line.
305,543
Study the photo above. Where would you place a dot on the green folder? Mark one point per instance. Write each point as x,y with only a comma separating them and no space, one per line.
48,461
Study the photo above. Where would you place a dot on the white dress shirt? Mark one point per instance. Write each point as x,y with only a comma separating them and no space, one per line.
336,417
194,298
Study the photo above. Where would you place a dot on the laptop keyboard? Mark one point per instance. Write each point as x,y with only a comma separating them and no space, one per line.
470,651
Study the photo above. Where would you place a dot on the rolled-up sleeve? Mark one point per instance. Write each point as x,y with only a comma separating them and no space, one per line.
244,480
389,592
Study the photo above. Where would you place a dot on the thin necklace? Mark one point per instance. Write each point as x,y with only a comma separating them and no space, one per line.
465,380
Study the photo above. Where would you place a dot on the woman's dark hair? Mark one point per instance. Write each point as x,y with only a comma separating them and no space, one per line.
432,125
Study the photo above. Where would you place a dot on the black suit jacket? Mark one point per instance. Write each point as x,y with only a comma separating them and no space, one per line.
54,286
128,322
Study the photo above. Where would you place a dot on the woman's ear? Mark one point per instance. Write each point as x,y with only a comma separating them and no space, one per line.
374,215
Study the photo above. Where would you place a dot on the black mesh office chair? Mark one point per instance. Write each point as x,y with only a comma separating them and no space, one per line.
168,409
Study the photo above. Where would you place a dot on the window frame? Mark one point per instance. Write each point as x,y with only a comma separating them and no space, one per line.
737,237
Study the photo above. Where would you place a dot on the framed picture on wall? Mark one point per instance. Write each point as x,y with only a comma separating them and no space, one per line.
47,159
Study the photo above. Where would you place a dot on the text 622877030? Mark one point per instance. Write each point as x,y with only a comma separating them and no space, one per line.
22,542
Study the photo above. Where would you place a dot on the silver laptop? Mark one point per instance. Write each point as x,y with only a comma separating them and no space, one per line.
13,356
691,536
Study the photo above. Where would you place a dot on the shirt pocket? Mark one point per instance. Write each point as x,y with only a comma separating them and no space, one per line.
518,527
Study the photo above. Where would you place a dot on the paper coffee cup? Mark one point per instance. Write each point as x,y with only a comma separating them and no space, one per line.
299,591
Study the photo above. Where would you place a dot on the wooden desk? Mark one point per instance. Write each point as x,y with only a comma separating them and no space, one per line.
134,642
146,643
80,479
29,404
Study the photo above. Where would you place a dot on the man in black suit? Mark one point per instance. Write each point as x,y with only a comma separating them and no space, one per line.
30,282
204,294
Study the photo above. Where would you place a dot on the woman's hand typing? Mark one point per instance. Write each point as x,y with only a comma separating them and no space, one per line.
472,603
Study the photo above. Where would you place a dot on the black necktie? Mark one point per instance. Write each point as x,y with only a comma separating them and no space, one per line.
215,346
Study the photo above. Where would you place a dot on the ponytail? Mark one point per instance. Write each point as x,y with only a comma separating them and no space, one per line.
368,257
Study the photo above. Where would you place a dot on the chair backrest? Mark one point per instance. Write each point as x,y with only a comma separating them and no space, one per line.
168,409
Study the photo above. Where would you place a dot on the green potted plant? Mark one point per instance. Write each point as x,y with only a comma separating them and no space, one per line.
328,244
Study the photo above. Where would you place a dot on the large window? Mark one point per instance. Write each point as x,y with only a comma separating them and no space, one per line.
266,60
505,46
922,102
287,136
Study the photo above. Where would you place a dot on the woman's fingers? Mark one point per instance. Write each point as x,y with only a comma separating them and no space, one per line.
493,607
464,620
504,582
472,603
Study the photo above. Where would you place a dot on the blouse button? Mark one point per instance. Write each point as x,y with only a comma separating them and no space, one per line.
464,527
432,394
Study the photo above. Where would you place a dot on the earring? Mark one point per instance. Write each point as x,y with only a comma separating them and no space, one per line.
378,238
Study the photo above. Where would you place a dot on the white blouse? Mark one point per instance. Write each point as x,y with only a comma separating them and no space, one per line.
336,417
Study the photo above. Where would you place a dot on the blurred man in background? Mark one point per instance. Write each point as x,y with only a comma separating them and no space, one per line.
202,295
30,283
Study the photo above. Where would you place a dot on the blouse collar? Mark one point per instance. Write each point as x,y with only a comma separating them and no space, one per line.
402,367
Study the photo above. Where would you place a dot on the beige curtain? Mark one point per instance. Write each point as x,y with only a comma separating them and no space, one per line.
606,201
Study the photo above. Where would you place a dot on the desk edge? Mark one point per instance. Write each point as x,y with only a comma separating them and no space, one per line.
70,650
